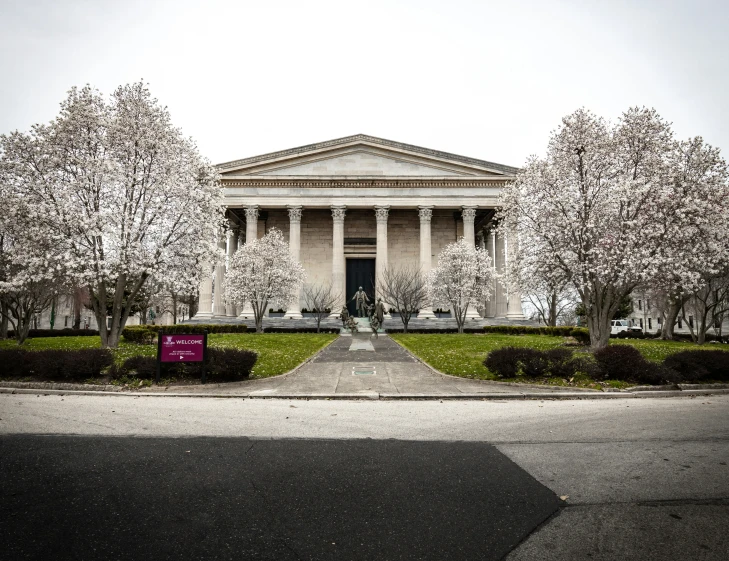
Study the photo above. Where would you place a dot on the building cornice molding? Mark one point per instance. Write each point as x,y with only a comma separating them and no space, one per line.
470,182
372,140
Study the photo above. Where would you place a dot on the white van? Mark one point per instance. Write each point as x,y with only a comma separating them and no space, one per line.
618,325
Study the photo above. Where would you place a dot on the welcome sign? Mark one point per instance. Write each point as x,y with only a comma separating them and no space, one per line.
182,348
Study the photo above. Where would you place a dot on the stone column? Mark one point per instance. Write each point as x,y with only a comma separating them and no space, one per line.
205,300
251,234
232,247
426,214
381,262
513,301
499,288
338,260
219,295
469,216
491,249
469,234
294,309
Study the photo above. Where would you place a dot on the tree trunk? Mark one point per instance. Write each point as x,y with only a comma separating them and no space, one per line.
4,320
460,317
552,319
258,310
599,327
674,308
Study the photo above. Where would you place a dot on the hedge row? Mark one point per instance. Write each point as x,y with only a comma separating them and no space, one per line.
146,333
441,330
224,365
579,333
80,365
615,362
55,365
65,332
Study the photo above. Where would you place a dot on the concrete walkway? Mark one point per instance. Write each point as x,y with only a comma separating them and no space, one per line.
361,366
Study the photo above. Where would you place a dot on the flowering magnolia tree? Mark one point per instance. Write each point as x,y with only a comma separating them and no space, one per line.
464,277
32,270
120,191
695,250
603,212
262,272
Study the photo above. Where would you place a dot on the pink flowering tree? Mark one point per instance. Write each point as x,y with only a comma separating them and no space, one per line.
464,277
601,212
263,273
124,195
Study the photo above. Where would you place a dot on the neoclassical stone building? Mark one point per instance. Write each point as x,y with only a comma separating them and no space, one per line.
353,206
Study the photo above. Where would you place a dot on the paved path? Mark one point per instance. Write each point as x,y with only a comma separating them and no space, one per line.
361,365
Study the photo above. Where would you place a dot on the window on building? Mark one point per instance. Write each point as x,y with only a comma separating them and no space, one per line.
65,321
640,305
680,326
660,321
691,322
650,324
641,323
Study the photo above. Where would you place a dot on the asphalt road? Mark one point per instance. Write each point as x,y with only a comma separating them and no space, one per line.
640,478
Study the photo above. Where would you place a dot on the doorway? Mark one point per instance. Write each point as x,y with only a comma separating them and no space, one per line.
360,272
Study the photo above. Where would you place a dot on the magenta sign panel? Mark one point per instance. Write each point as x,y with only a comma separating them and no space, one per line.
182,348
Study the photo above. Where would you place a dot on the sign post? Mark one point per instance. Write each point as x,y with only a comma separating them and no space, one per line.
182,348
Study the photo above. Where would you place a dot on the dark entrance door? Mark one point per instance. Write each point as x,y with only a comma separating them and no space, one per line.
360,272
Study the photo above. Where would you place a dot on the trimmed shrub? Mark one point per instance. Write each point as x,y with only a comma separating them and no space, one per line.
143,367
508,362
620,362
694,366
144,333
625,363
300,330
55,365
13,363
224,365
629,335
200,328
230,364
139,334
581,334
65,332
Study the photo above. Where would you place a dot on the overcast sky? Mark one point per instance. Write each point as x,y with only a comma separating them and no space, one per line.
483,79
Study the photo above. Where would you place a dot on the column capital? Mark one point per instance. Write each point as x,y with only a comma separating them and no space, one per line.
425,213
381,212
338,213
295,212
468,213
252,212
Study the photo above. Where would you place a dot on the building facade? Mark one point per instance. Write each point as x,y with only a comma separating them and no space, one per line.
352,207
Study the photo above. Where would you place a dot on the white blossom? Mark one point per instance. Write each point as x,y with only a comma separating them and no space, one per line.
263,273
122,194
464,276
603,212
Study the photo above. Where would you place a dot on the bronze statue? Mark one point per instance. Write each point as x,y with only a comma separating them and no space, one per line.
360,299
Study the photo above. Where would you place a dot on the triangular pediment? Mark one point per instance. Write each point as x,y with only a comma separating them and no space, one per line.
363,163
362,156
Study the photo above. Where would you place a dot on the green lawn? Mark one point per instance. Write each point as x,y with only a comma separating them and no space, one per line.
463,355
277,352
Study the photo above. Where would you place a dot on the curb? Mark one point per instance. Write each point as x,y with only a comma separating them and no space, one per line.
389,396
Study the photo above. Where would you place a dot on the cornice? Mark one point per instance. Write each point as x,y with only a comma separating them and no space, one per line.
365,183
370,140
